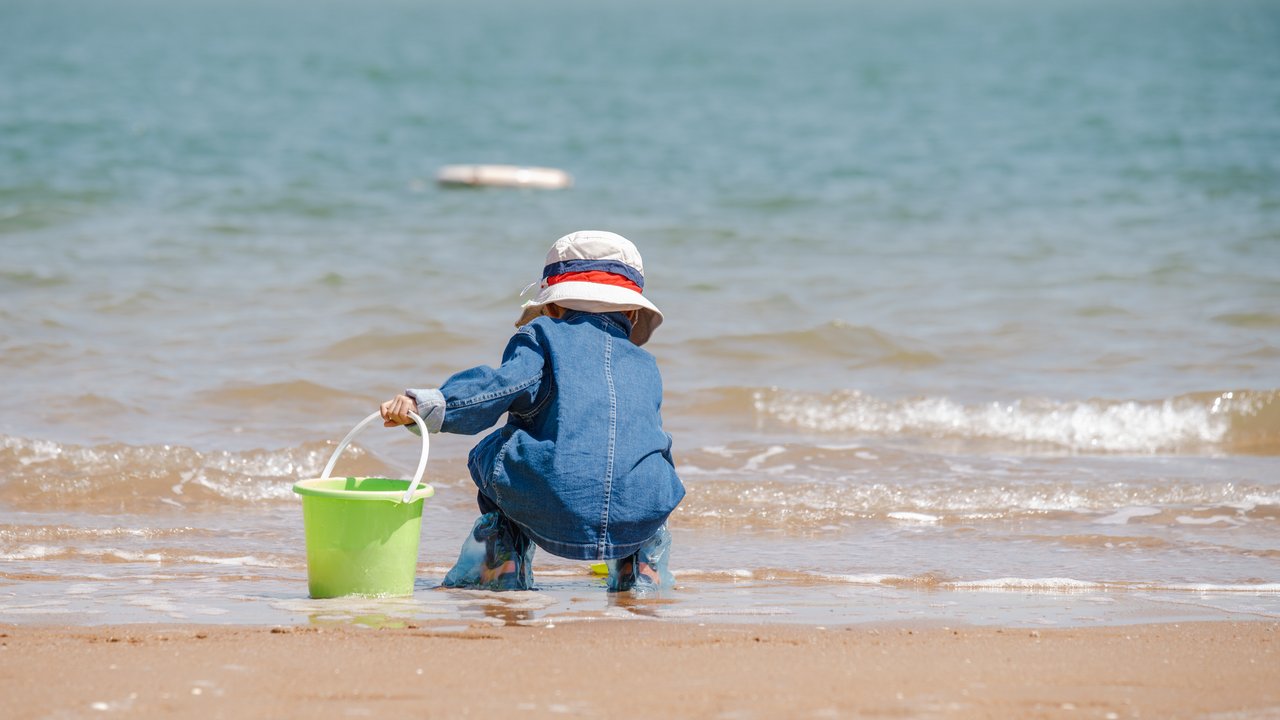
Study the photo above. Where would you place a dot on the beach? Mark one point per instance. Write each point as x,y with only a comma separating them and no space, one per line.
970,359
611,669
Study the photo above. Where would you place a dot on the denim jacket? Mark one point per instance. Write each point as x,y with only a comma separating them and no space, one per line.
582,465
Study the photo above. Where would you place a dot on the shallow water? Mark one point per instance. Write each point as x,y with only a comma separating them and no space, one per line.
971,311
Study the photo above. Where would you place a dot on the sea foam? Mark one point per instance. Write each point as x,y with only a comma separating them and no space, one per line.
1186,423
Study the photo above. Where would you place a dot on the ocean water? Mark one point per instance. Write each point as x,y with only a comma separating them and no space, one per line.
973,309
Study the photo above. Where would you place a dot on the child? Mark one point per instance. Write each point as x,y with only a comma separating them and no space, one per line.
582,467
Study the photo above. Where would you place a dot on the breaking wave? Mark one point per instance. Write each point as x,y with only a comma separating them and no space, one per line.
38,474
1245,421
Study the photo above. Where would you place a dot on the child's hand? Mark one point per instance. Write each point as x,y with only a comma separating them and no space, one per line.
395,412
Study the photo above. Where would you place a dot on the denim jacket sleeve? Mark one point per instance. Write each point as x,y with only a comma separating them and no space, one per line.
475,399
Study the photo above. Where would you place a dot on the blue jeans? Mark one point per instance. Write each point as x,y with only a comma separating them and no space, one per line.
497,555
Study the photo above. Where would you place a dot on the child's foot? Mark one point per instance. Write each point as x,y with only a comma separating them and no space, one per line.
495,556
489,574
635,575
648,574
503,577
645,571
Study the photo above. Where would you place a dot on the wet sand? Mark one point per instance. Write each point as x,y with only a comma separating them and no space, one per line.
1219,670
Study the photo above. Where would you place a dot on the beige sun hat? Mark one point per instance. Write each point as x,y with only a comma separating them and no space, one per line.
595,271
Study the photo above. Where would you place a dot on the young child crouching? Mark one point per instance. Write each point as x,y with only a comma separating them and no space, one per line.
582,468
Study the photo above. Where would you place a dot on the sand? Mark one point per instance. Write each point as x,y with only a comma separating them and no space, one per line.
1216,670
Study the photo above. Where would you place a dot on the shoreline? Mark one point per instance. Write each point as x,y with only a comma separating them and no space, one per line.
1223,669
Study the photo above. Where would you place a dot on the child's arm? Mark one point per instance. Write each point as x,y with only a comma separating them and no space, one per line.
475,399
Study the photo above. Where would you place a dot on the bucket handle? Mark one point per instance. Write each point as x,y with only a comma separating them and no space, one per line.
422,462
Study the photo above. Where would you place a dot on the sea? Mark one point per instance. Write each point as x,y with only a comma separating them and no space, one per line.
972,308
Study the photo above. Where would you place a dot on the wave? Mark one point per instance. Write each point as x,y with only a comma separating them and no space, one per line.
933,581
799,485
68,533
1231,421
41,474
849,496
172,558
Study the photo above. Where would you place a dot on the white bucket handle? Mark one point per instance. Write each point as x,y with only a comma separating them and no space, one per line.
422,462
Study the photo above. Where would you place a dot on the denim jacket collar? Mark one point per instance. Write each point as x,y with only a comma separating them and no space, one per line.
617,320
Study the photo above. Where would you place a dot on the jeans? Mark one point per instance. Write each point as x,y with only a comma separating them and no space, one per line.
497,555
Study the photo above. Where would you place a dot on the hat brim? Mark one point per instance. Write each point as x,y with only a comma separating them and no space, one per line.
597,298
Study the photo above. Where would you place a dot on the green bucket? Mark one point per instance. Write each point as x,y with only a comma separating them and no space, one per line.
362,533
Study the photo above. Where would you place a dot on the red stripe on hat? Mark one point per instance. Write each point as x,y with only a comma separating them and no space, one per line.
594,276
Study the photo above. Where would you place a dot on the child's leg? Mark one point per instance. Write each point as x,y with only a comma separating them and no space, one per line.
646,570
496,555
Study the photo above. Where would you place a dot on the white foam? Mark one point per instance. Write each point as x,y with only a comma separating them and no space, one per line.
126,555
735,573
29,552
241,561
49,608
842,495
208,610
864,579
158,603
1108,426
32,451
233,485
841,447
914,517
689,469
688,612
1213,520
149,577
719,450
239,476
1123,516
526,600
1013,583
754,462
1259,589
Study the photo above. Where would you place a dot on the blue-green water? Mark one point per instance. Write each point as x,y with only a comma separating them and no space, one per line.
941,279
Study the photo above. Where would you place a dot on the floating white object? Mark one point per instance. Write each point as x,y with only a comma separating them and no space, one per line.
504,176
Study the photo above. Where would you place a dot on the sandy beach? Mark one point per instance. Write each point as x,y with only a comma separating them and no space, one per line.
970,359
652,669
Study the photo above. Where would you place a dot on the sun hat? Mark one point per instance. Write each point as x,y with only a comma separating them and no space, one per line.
595,271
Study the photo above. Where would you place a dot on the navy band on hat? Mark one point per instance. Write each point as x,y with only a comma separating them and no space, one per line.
613,266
